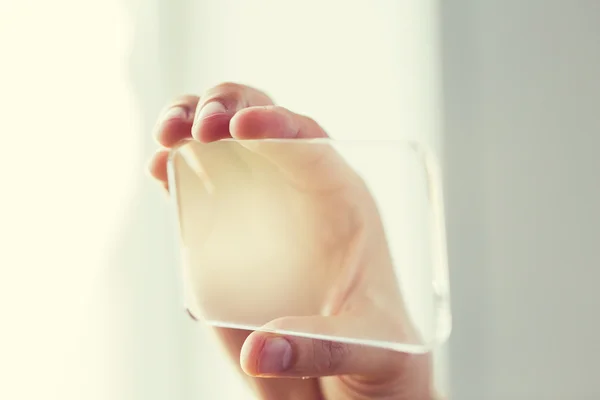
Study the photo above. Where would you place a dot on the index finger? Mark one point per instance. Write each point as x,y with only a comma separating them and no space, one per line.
219,104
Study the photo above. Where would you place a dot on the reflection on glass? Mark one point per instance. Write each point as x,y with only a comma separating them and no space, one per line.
317,238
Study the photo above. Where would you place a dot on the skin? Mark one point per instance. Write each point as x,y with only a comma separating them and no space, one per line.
274,365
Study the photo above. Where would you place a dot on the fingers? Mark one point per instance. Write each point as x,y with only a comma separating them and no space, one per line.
219,105
311,165
157,167
375,372
206,120
173,125
175,122
273,122
270,355
232,110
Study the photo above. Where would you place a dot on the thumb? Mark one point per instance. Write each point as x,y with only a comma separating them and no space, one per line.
267,354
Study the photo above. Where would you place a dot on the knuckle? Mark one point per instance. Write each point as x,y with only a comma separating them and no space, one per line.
229,87
311,125
186,100
311,121
228,93
329,356
231,92
279,109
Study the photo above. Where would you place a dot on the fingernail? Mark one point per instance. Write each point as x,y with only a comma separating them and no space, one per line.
211,108
276,356
175,113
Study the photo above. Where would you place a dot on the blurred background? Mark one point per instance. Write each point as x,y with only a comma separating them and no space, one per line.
506,92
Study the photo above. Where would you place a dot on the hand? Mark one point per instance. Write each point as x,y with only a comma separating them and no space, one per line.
273,363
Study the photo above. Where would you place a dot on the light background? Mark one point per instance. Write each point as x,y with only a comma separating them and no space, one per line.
89,295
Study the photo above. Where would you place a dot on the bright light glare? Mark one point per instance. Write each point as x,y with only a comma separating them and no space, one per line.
69,130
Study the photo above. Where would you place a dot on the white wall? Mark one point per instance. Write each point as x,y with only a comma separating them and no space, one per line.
522,116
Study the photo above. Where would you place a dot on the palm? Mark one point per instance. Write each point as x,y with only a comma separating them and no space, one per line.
294,235
265,247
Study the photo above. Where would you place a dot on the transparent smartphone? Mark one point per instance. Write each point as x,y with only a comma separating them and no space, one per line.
337,240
